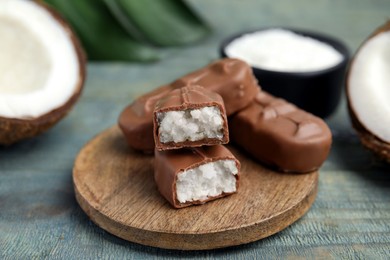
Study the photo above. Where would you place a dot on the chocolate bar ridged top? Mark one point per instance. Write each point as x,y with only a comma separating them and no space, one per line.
169,163
230,78
191,97
281,135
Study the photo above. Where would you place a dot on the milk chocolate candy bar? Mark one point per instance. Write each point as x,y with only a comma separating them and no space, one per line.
189,117
192,176
230,78
279,134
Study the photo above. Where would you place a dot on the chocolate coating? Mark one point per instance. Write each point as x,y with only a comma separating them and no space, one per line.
230,78
279,134
136,120
169,163
191,97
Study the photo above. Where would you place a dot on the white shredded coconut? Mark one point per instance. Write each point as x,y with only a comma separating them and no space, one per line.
207,180
283,50
191,124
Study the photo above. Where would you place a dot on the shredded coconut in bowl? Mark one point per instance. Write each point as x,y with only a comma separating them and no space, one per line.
284,51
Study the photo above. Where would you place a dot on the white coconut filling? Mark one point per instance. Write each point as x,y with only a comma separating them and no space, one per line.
190,124
207,180
283,50
369,85
39,70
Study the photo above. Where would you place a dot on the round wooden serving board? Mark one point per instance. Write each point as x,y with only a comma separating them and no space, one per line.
115,187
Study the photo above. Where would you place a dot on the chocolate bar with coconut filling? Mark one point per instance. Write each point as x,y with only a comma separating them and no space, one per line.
231,78
190,117
193,176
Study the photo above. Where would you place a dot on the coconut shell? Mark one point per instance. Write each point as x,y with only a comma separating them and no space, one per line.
13,129
368,139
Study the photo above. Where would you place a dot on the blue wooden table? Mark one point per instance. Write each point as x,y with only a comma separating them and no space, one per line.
39,217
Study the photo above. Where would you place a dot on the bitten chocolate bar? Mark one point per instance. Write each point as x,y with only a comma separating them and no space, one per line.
279,134
190,117
230,78
194,176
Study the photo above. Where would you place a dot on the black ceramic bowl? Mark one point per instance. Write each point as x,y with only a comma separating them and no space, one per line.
317,92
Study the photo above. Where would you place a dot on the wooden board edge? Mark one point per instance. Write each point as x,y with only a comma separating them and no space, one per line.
207,241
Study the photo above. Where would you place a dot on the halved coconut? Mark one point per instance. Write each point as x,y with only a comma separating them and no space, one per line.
42,69
368,92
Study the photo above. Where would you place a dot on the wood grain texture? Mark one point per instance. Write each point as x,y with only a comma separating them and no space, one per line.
114,186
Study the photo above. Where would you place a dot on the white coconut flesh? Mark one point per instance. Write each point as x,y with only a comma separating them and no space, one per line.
207,180
39,68
190,124
369,86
